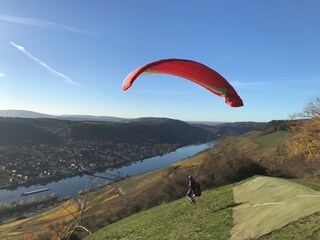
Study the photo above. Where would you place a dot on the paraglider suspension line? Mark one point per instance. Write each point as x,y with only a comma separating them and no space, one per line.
202,156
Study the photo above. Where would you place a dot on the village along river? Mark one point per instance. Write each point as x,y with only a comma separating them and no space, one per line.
71,186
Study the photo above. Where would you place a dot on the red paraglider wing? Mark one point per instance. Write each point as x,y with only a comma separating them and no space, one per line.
194,71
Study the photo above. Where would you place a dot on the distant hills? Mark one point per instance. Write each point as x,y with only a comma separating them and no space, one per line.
31,114
19,127
34,131
23,114
74,117
25,131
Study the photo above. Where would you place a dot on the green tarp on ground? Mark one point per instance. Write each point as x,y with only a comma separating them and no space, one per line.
267,204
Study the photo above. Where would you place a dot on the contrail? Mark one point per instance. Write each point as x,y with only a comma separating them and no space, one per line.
66,78
40,23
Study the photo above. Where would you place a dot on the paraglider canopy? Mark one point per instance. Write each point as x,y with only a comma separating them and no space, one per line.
194,71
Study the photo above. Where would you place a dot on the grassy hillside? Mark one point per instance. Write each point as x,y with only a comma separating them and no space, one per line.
209,218
109,203
306,228
213,216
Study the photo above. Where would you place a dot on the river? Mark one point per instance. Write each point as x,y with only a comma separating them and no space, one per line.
71,186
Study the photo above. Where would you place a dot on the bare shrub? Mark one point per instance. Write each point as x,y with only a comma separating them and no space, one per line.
304,141
225,164
303,145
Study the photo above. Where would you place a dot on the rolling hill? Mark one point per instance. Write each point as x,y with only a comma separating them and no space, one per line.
159,130
31,114
140,207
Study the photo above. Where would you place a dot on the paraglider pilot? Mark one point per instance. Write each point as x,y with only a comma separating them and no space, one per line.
191,189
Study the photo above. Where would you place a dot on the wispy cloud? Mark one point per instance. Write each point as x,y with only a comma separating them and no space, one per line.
40,23
44,65
2,75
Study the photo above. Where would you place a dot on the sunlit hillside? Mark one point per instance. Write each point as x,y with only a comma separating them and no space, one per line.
104,205
121,207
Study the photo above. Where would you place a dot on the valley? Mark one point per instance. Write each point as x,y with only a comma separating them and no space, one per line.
42,150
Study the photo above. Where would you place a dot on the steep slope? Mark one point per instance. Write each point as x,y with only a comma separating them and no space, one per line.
262,205
105,200
156,130
19,132
209,218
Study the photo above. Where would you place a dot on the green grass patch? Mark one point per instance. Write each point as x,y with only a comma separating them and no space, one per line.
311,183
307,228
269,141
264,142
252,134
209,218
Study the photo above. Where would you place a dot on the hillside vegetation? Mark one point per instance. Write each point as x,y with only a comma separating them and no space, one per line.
18,131
109,204
289,210
210,218
152,205
214,215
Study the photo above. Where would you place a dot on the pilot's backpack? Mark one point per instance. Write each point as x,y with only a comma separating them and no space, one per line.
197,189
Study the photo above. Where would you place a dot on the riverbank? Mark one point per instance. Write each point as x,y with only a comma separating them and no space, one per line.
71,185
5,182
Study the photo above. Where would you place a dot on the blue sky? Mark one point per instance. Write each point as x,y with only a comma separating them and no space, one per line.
71,56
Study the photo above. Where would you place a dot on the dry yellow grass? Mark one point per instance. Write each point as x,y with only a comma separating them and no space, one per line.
191,161
101,194
140,181
110,198
59,212
13,234
12,224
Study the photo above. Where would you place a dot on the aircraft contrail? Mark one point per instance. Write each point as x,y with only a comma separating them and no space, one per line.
23,50
40,23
